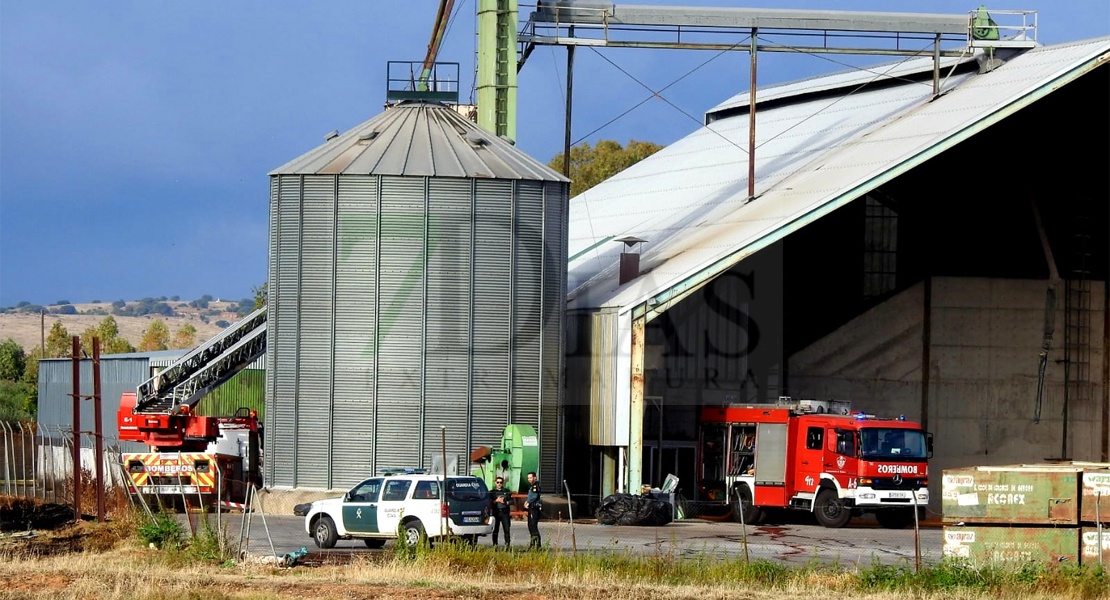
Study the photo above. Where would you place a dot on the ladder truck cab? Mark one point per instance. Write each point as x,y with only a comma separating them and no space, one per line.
816,456
194,456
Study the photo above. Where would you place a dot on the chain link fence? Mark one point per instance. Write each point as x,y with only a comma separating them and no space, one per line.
36,461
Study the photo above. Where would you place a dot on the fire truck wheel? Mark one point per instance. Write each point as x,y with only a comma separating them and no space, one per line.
324,533
830,510
894,518
374,543
742,504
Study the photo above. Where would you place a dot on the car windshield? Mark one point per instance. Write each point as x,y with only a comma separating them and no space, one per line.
886,443
468,489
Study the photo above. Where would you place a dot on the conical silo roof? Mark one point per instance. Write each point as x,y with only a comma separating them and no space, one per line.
419,139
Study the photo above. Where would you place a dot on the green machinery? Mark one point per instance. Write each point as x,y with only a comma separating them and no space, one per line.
518,455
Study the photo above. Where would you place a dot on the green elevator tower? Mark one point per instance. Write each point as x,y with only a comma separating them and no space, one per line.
497,23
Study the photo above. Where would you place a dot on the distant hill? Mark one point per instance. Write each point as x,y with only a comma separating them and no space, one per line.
208,317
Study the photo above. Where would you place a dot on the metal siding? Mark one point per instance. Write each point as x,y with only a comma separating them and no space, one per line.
245,390
283,332
400,328
603,366
553,326
527,273
272,325
492,303
447,333
315,326
55,406
356,273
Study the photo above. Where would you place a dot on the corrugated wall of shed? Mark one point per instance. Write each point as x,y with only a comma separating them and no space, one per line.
553,324
355,309
314,348
55,406
247,389
283,337
601,340
447,337
402,263
493,227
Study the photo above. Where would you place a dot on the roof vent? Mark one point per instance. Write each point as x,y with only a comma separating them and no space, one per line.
630,260
334,133
475,139
366,137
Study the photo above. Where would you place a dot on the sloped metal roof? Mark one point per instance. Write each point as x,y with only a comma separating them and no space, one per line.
419,139
689,200
840,80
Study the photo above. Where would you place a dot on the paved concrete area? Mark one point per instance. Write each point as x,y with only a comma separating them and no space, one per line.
795,543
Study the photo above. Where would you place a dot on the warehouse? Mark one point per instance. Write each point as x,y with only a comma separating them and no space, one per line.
897,253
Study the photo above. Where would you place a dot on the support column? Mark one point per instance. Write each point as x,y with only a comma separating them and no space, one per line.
636,409
496,86
608,471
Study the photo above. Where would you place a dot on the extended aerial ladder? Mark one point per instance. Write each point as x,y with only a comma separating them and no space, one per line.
196,454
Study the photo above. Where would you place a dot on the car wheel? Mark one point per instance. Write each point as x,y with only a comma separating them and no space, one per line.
374,543
470,540
742,504
324,532
830,510
414,533
894,518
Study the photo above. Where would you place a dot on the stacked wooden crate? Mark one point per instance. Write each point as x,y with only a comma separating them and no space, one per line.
1052,512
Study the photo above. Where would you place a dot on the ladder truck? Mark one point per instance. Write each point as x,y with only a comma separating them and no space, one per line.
214,458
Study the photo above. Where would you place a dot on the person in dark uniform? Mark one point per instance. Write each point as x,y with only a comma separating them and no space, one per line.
502,502
533,504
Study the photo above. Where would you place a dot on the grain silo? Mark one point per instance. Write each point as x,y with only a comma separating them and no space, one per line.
417,279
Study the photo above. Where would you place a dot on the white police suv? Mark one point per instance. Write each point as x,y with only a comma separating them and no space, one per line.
409,504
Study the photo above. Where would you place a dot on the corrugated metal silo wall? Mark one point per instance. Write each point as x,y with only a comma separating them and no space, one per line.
116,377
446,289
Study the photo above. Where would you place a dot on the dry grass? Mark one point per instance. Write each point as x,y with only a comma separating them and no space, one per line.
130,571
25,329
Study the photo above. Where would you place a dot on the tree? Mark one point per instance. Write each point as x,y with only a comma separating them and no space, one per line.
156,337
58,341
590,166
260,294
31,376
17,401
12,360
185,337
110,342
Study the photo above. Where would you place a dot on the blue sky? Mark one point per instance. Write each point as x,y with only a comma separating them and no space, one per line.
135,137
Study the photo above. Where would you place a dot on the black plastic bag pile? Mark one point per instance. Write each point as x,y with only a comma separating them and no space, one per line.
626,509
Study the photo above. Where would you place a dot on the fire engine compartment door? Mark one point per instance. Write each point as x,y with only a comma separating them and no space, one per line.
770,454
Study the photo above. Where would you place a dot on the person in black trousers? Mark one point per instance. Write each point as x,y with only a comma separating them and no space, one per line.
502,502
533,504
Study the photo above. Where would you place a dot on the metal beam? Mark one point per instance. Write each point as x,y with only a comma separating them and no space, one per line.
602,13
540,40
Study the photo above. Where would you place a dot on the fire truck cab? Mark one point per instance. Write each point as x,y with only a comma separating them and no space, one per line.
815,456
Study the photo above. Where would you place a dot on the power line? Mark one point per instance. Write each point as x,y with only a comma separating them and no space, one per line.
834,102
657,94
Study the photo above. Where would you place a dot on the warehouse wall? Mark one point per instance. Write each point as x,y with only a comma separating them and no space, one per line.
985,339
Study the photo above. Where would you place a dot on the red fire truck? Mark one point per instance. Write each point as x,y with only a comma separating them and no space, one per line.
195,456
816,456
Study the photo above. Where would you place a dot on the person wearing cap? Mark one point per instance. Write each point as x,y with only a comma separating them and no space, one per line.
502,502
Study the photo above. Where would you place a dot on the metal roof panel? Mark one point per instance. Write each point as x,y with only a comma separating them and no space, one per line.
419,139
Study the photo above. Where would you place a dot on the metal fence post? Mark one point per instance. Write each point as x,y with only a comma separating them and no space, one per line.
7,470
23,460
